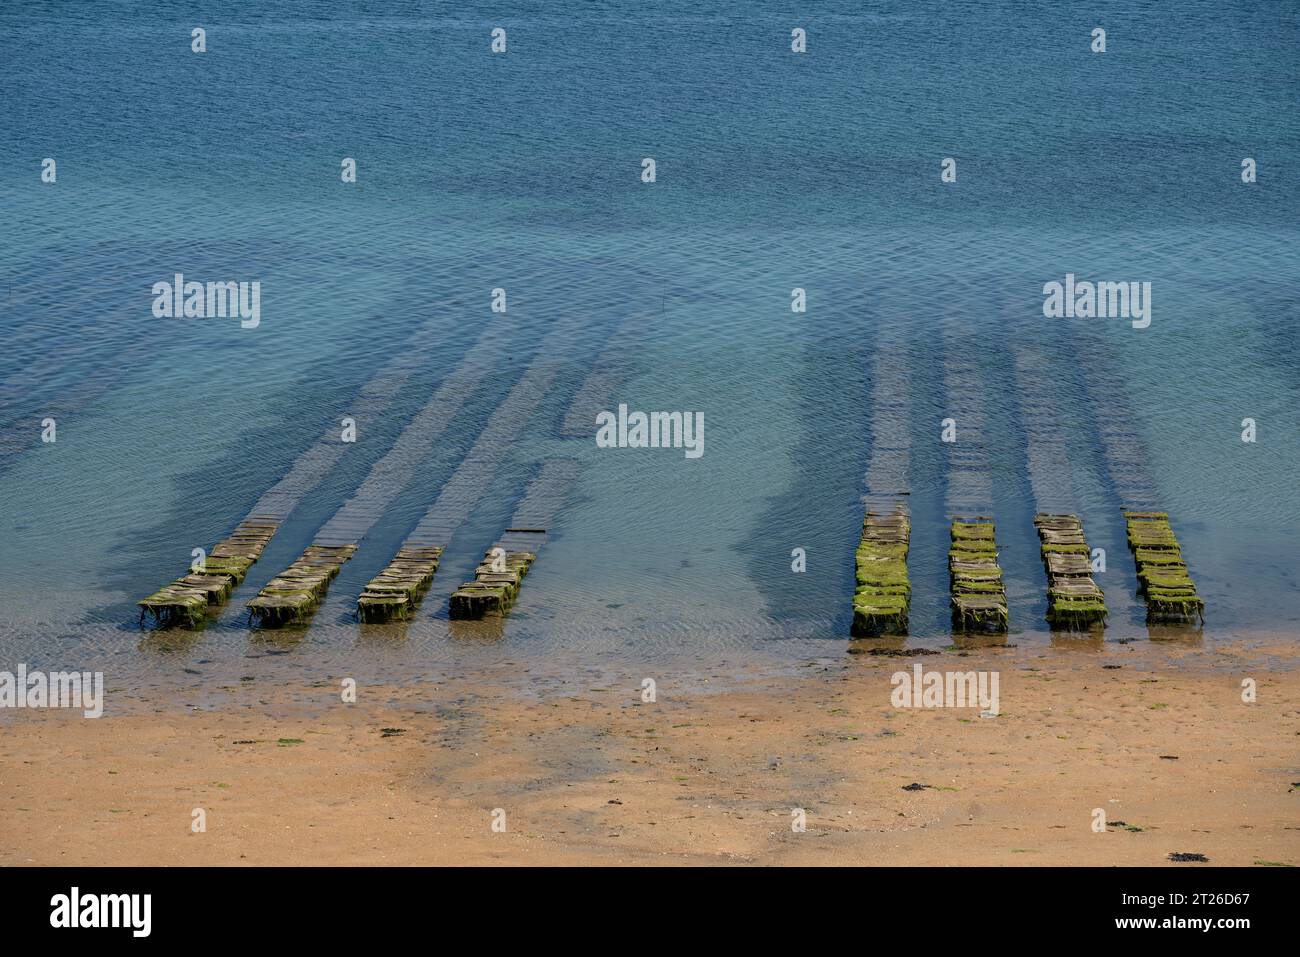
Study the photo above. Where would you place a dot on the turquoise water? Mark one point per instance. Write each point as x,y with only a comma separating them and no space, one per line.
522,171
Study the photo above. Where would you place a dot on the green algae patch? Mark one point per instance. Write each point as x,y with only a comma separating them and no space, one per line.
176,606
979,599
1172,557
1082,550
1163,576
883,593
972,531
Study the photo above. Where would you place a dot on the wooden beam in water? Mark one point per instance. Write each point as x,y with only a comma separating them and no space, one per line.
882,595
979,597
185,602
1074,601
882,592
498,577
178,604
1163,579
295,594
396,591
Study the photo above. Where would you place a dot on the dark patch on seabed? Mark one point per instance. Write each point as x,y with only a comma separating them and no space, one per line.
821,510
1276,332
927,562
1094,376
1013,498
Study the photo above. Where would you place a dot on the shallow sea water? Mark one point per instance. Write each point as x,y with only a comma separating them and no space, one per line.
522,171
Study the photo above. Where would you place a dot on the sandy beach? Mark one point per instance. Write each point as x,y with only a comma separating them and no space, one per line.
578,769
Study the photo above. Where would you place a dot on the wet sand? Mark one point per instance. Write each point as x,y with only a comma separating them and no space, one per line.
709,773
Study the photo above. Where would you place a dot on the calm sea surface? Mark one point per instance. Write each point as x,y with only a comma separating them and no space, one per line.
523,171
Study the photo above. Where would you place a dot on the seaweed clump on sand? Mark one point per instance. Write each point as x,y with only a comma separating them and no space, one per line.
979,598
882,594
1074,601
1163,578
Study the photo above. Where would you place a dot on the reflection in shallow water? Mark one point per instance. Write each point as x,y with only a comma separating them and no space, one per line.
1182,633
